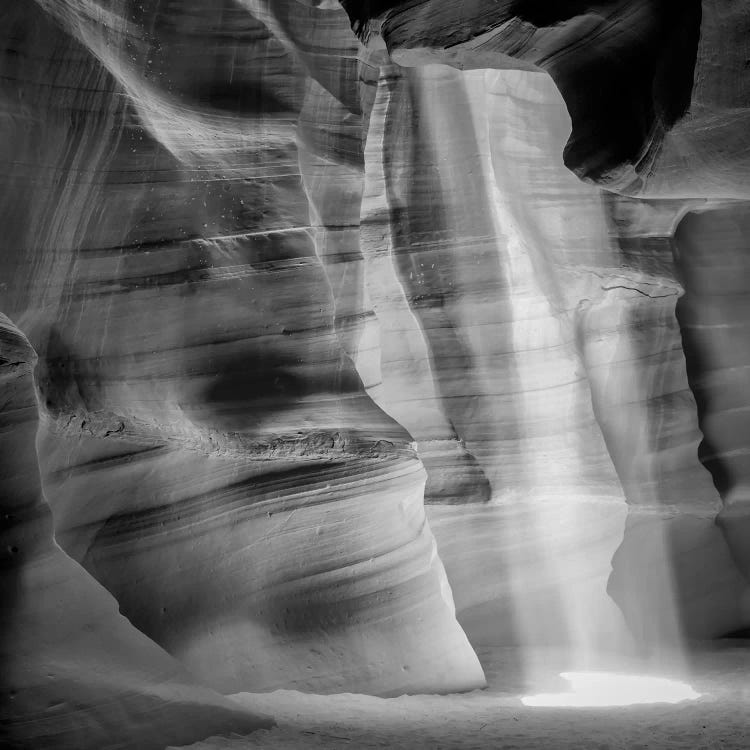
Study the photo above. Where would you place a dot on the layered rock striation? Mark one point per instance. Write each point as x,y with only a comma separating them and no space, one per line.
210,452
76,673
342,366
711,252
657,91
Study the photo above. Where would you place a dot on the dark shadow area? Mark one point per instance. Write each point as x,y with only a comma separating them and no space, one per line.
625,84
545,13
629,85
361,12
714,316
743,634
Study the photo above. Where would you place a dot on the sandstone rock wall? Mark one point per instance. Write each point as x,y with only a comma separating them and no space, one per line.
209,449
302,301
657,91
76,674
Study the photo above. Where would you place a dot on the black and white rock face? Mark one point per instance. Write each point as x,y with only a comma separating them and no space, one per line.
343,370
657,90
75,672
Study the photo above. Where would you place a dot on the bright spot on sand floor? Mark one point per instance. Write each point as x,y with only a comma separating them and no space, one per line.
591,689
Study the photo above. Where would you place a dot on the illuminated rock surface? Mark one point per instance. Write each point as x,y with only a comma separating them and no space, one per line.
343,369
210,453
658,92
76,674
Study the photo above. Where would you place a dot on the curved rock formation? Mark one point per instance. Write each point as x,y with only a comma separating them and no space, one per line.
714,318
645,95
657,91
74,673
299,303
551,340
210,452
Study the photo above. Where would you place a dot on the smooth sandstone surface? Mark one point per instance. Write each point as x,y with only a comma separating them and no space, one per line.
75,673
355,354
212,456
713,315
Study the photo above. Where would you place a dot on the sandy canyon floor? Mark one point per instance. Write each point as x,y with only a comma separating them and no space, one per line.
496,717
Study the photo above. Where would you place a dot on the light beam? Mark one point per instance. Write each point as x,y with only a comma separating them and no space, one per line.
593,689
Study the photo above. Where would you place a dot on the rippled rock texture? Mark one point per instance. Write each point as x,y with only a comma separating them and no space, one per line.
76,674
210,451
657,91
342,369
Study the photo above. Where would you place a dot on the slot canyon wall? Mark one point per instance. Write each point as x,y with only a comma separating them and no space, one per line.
327,356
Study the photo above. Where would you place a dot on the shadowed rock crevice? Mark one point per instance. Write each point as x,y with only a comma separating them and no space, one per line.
714,315
625,69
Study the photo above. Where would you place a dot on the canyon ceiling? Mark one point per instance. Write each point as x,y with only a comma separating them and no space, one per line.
337,340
